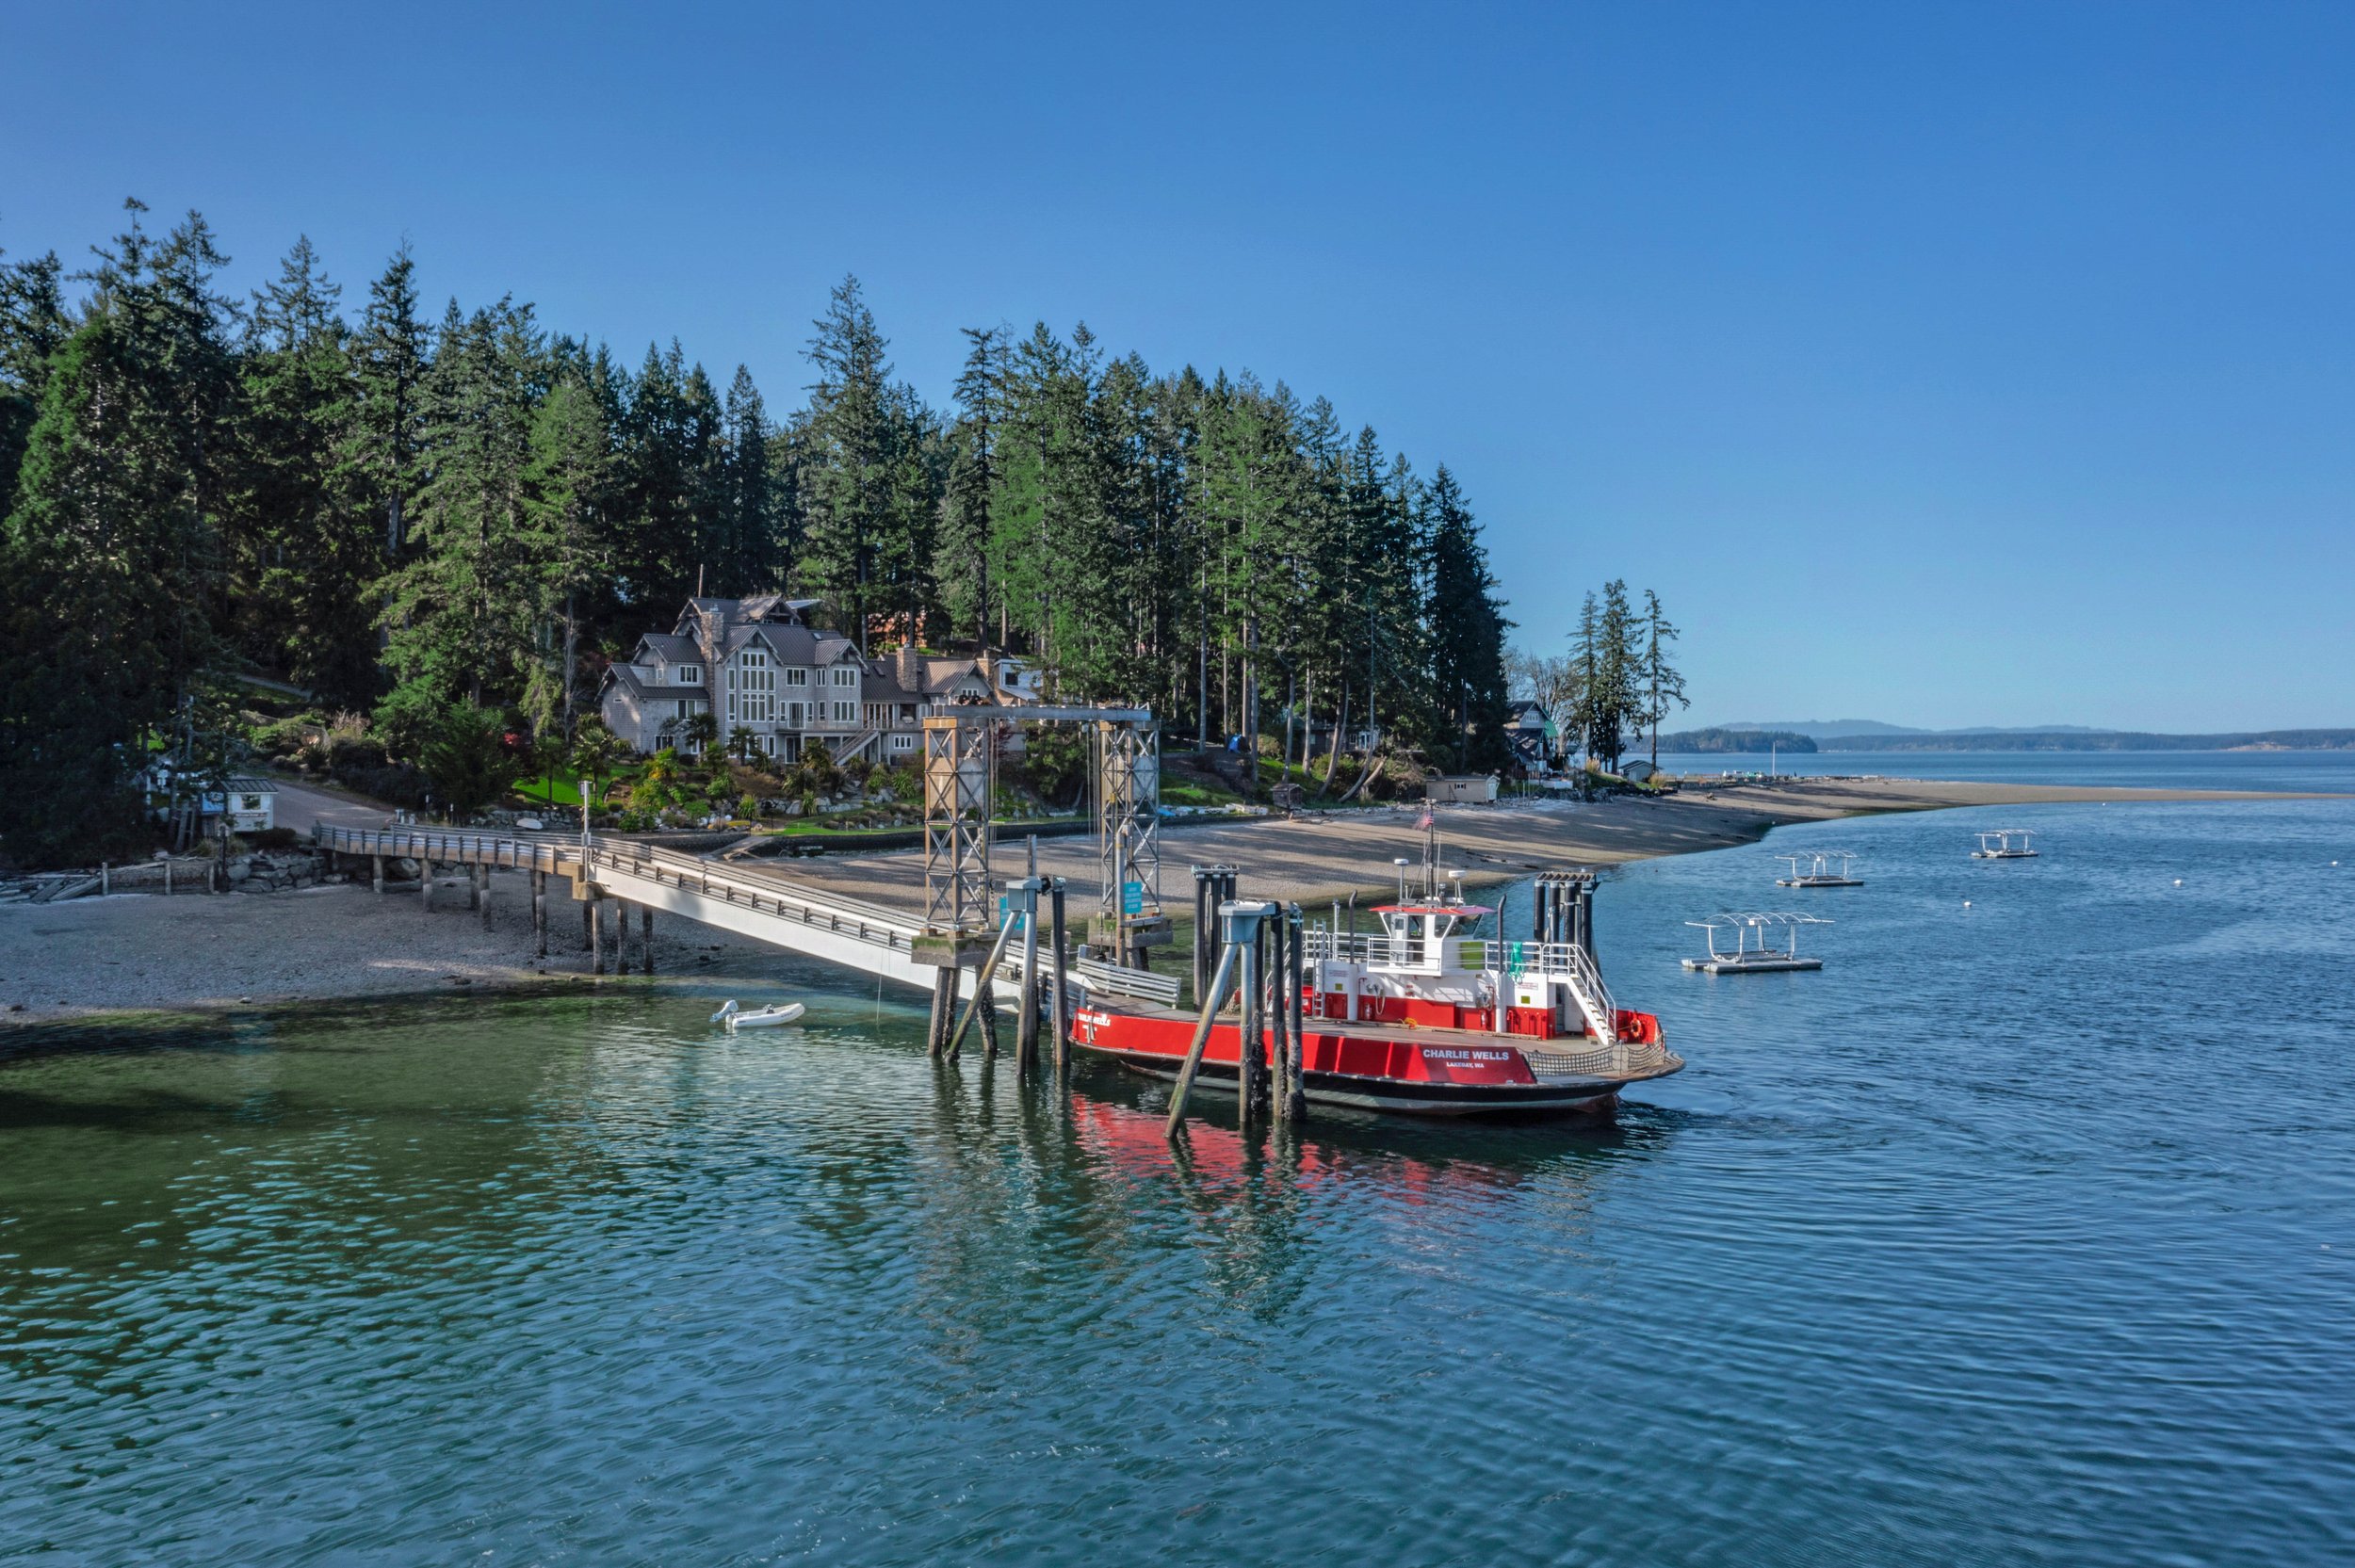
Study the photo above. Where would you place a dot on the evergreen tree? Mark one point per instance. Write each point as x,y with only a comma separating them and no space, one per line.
304,553
566,501
33,326
847,476
1663,685
108,557
1467,630
749,550
385,442
465,614
965,540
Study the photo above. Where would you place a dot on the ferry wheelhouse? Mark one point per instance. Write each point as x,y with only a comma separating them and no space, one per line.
1428,1016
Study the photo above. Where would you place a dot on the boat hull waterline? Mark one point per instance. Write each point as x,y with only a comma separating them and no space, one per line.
1435,1071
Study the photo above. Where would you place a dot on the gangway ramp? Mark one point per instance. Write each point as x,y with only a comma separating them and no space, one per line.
750,901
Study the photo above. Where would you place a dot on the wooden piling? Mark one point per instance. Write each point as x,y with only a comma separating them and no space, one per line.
376,872
1217,994
947,984
588,925
482,894
981,991
540,914
597,935
1063,985
988,998
646,937
425,899
1025,1026
1297,1088
475,877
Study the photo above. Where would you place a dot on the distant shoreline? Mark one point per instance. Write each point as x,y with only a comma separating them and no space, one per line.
1730,741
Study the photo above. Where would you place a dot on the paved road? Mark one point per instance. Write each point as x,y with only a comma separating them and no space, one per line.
298,808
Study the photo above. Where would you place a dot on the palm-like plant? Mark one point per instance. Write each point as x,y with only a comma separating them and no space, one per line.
597,752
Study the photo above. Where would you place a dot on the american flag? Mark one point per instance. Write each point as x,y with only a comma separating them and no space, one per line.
1426,823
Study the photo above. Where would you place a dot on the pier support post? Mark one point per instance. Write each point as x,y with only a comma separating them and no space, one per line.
376,872
540,914
1022,904
946,981
1295,1104
646,937
1239,924
588,923
596,910
1259,965
476,875
981,997
986,995
1063,986
425,883
482,894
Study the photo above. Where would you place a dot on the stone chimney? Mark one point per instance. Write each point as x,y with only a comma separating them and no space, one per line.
910,670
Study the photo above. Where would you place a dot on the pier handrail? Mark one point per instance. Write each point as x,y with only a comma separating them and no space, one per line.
757,889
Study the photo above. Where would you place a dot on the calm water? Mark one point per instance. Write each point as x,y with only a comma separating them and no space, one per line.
2024,1233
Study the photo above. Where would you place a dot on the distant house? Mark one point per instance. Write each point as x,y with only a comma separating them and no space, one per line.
249,802
763,672
1531,734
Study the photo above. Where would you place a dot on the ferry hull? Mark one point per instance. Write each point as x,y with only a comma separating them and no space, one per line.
1403,1099
1415,1072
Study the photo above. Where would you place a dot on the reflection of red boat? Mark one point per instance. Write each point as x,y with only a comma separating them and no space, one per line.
1420,1019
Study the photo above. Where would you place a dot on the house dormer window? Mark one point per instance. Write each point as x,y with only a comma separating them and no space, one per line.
690,675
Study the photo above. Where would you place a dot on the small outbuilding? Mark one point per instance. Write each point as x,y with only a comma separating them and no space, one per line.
1461,789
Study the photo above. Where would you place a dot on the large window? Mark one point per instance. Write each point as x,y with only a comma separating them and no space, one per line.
794,715
846,713
757,684
843,675
690,675
797,676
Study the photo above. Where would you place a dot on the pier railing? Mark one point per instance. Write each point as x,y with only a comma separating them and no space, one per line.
785,910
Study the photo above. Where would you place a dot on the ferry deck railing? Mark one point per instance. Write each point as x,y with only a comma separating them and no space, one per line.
1567,961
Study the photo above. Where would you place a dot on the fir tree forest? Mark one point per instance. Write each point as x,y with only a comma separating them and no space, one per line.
403,512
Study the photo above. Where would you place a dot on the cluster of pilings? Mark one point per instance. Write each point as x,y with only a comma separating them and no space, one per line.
1565,909
1046,986
1259,969
601,930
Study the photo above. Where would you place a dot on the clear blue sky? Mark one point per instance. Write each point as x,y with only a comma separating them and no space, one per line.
1940,364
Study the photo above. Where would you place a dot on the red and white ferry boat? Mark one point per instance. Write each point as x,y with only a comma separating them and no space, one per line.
1426,1017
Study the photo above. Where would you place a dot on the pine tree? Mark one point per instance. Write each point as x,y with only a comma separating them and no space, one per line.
1664,686
749,553
464,613
566,500
390,354
33,326
847,476
107,559
1466,627
965,540
304,552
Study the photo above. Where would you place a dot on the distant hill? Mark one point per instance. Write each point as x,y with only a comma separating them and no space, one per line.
1815,728
2074,740
1726,738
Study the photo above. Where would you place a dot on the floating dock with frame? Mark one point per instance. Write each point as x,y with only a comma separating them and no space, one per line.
1755,951
1996,844
1819,872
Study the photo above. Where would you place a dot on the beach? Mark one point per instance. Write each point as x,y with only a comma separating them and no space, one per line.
132,953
